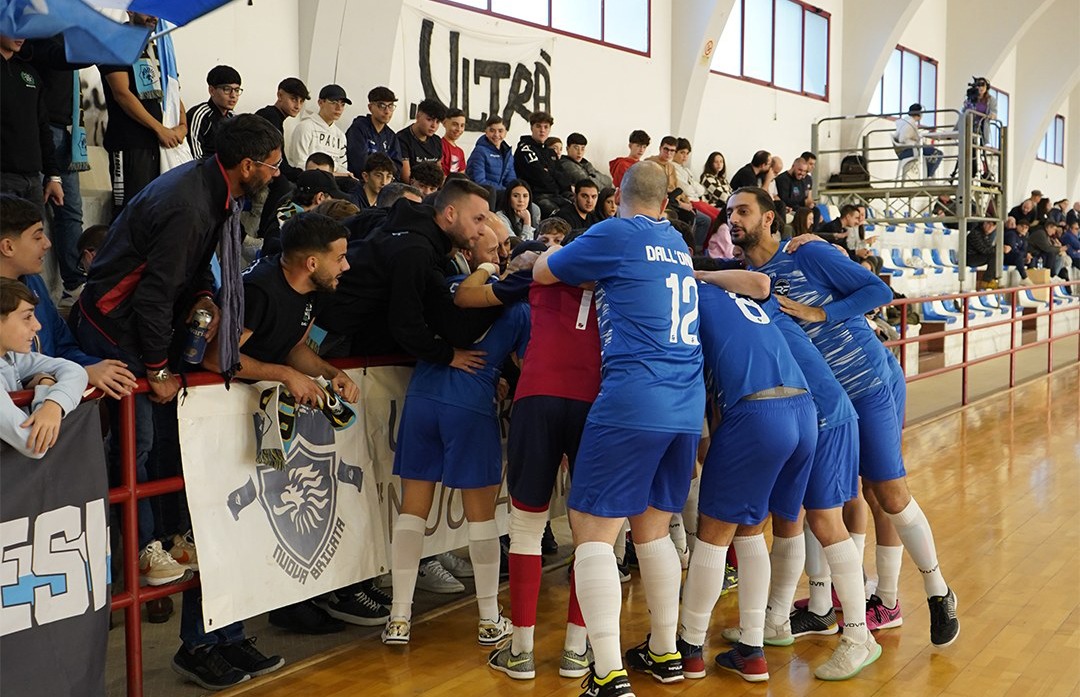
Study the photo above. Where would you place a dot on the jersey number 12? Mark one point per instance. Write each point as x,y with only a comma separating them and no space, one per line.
683,295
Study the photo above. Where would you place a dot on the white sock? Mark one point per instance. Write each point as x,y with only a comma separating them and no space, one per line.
522,640
817,569
661,575
753,587
914,530
620,542
787,560
846,567
888,573
484,555
677,533
704,582
859,538
576,637
405,553
600,596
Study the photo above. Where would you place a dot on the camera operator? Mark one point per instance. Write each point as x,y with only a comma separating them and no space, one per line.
984,105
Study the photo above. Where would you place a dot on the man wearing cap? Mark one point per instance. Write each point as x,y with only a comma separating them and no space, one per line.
223,84
292,93
318,132
907,138
313,186
371,133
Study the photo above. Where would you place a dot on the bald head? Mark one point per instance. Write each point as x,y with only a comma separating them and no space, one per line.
485,249
643,190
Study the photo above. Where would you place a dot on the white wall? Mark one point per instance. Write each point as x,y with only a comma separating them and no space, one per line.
1047,178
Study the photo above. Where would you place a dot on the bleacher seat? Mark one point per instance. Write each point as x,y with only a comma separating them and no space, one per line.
934,311
930,265
897,256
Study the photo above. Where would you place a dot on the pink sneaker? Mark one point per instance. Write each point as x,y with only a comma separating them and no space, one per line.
804,603
880,617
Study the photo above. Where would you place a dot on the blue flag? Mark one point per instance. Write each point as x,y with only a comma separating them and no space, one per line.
179,13
89,36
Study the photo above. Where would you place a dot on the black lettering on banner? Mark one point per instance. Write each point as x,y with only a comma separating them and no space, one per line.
496,71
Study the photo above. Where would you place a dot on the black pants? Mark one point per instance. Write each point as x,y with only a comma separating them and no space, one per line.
131,170
26,186
992,272
1017,260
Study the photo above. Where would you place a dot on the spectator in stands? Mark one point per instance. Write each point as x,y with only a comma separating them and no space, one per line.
428,177
605,204
552,231
639,143
1070,240
574,167
802,222
1057,213
908,137
535,163
556,145
811,163
378,172
336,209
491,163
419,141
666,159
1025,210
1073,216
453,159
1016,250
58,384
1042,211
791,190
580,213
319,132
223,83
714,180
292,94
685,179
312,188
370,133
1046,249
89,242
718,244
837,229
768,182
753,172
517,211
980,250
369,221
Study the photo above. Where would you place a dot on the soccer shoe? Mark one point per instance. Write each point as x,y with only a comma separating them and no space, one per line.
355,608
519,667
158,568
207,668
731,579
693,662
944,626
614,684
666,668
575,665
849,658
805,623
491,632
804,603
775,635
750,667
371,589
624,571
183,551
548,544
245,657
434,578
880,617
305,618
396,631
457,566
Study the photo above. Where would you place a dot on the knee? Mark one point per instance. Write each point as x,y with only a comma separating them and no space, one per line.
892,496
526,530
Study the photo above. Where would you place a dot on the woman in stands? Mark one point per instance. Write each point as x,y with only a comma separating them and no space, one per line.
605,204
714,179
517,210
803,222
718,243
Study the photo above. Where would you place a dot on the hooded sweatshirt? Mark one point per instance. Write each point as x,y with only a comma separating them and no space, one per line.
313,135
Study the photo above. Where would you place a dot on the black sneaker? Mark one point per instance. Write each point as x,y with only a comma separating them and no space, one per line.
624,571
207,668
944,627
305,618
355,608
804,623
548,545
667,668
244,656
504,557
630,558
372,590
615,684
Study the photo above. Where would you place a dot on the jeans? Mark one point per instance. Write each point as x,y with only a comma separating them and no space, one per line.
67,219
932,155
26,186
192,632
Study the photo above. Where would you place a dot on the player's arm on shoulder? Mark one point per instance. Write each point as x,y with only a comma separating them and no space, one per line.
856,290
752,284
541,272
475,291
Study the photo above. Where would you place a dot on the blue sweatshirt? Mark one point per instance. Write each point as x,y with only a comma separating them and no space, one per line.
55,338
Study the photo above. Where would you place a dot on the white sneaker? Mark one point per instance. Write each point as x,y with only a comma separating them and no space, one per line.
849,658
184,552
158,568
397,631
775,634
491,632
457,566
432,577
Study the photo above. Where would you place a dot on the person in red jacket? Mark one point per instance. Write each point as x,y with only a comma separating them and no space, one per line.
639,142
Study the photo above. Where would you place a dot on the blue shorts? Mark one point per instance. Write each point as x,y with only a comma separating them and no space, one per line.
834,476
759,461
622,471
442,443
542,430
881,415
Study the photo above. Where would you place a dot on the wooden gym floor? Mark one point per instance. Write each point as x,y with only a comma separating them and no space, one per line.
999,481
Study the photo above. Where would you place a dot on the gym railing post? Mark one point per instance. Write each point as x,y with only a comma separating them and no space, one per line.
132,614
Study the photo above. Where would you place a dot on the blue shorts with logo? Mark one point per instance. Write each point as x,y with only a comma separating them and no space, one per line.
441,443
622,471
759,460
834,476
881,421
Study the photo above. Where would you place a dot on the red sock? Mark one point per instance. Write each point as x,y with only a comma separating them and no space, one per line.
573,610
731,558
525,572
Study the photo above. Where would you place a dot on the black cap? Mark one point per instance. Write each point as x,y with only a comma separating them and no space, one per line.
915,109
381,94
529,246
334,92
294,86
314,181
222,75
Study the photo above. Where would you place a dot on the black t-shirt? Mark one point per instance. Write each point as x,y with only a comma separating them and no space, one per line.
416,151
277,315
124,132
744,177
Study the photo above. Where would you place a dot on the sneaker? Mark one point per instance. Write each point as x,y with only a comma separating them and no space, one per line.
805,623
183,551
575,665
457,566
731,579
614,684
159,611
158,568
396,631
630,558
667,668
244,656
848,659
491,632
305,618
880,617
355,608
944,626
518,666
775,635
504,557
693,662
433,578
548,545
747,661
804,603
684,557
371,589
207,668
624,571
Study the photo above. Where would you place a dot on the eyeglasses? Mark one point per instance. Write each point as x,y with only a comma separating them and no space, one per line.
667,149
229,89
385,106
276,168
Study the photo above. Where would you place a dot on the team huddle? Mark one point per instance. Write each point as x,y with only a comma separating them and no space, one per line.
625,352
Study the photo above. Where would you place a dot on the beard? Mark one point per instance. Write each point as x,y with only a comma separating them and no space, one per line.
254,187
324,282
750,238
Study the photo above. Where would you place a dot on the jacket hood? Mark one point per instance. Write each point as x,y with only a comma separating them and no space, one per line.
406,216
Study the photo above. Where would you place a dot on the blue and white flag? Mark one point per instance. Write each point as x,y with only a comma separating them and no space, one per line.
89,36
179,13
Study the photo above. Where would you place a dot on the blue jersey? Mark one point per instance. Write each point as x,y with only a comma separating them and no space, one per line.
744,351
647,311
475,391
818,275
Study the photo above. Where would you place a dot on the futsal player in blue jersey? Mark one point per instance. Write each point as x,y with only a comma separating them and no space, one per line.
638,449
449,433
829,294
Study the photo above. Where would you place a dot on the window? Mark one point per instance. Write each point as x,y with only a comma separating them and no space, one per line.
1052,147
623,24
909,77
1002,98
780,43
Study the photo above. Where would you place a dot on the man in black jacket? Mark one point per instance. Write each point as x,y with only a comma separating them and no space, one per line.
537,164
980,250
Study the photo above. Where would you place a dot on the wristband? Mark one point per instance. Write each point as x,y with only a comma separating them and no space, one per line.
492,269
56,180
